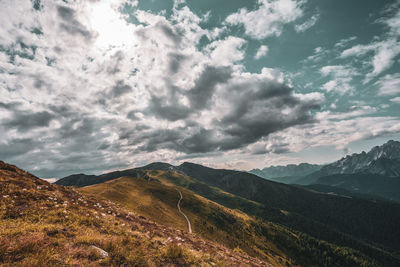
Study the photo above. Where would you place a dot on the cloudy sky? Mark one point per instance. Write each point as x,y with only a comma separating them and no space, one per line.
90,86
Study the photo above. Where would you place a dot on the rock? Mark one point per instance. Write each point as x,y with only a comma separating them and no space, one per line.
103,254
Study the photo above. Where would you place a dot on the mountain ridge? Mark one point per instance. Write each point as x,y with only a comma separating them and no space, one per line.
319,207
43,224
382,160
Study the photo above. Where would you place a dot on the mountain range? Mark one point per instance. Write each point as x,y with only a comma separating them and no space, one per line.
286,174
368,227
373,174
343,214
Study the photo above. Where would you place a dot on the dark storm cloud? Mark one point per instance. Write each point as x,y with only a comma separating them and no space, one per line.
70,24
23,121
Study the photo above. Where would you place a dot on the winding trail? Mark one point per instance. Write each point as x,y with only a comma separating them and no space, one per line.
179,208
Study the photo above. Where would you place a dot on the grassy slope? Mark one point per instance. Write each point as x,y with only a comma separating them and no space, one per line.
320,215
156,199
43,224
282,217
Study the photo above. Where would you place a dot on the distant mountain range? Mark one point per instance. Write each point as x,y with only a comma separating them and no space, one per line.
381,160
286,174
374,174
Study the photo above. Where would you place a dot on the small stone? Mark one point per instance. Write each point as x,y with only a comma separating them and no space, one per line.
103,253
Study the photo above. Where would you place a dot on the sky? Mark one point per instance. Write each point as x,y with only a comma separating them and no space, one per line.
89,86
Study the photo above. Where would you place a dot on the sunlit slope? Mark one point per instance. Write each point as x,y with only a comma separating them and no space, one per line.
155,197
300,223
47,225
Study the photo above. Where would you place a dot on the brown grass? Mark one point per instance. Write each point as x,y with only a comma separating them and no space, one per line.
47,225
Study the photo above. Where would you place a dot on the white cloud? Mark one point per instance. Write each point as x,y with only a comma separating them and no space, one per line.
80,95
345,42
261,52
396,100
337,130
342,78
269,19
226,52
389,84
307,25
381,53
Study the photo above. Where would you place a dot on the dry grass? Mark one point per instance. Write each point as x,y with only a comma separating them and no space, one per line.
43,224
156,199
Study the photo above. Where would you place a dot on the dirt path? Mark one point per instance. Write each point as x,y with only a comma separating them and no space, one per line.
179,208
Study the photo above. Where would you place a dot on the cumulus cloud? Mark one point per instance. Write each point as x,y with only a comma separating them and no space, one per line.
78,97
268,19
261,52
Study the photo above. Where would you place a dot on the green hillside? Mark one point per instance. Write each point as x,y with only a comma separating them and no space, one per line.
155,197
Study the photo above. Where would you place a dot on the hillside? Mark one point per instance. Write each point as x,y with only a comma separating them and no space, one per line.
374,185
47,225
369,221
156,196
339,220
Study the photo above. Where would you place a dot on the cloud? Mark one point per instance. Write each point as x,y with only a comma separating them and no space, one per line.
70,24
24,121
337,133
78,97
307,24
261,52
268,19
382,52
396,100
17,147
342,78
344,42
120,88
227,51
389,84
245,108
